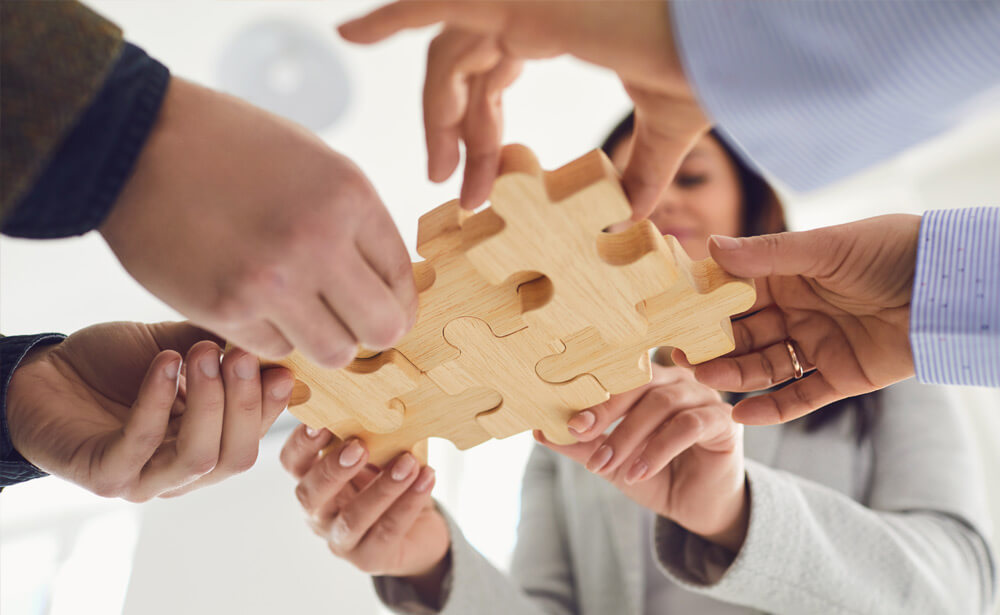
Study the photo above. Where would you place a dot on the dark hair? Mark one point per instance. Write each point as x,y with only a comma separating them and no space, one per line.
762,213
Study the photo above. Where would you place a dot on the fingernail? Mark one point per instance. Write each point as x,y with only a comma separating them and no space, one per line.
247,367
636,471
727,243
338,532
209,365
424,481
582,422
281,390
351,454
172,369
403,466
600,458
312,432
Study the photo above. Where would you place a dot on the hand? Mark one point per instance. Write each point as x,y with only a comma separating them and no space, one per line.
480,53
112,409
676,452
253,228
840,295
383,522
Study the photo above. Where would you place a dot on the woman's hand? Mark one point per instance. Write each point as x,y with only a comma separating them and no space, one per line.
481,49
114,409
384,522
676,452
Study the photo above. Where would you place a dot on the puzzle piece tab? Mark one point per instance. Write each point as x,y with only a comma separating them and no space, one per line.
449,285
553,223
693,316
360,393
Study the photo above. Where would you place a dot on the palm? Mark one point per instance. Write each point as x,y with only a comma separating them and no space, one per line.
83,391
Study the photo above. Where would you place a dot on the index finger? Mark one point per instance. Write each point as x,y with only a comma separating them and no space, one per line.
590,423
388,20
301,450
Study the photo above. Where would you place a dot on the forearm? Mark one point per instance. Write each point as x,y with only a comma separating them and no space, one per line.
811,549
14,468
955,311
815,91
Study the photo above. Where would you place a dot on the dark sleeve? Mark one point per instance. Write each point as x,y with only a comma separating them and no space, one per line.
77,188
54,56
13,467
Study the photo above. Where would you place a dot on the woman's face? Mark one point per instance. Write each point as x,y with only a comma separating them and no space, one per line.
704,198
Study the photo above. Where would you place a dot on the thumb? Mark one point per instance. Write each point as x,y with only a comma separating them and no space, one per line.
665,131
146,427
805,253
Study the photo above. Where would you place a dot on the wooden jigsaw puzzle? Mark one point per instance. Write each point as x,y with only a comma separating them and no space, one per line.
529,311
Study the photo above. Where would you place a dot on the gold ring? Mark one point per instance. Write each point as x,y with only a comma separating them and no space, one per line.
796,366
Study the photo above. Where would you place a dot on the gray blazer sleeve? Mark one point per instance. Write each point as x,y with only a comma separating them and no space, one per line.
919,546
541,582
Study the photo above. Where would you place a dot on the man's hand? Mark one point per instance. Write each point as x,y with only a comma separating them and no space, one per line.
839,295
113,409
253,228
676,452
480,52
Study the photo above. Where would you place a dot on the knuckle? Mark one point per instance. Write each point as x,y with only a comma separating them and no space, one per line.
200,465
348,521
662,396
243,462
327,472
386,530
768,367
108,488
303,496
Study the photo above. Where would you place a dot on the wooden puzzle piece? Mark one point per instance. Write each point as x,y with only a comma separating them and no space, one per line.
507,365
427,412
693,316
553,223
449,285
363,391
500,293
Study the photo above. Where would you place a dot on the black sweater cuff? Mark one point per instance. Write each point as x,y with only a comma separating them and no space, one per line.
78,187
13,467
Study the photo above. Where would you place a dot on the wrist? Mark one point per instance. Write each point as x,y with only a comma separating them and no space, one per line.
18,391
429,583
733,531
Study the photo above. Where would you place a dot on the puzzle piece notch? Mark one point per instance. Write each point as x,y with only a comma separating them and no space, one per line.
507,365
553,223
684,317
361,392
448,284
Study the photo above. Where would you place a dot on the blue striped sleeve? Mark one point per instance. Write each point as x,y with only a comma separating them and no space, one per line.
812,91
955,310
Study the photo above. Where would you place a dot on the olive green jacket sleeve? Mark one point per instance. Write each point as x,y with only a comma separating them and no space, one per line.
54,56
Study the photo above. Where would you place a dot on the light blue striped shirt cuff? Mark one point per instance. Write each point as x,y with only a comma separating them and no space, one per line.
955,309
813,91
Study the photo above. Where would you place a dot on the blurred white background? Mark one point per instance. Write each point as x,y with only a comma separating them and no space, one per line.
242,547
